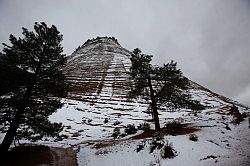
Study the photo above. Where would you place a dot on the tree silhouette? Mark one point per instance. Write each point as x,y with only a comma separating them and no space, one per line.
163,86
31,82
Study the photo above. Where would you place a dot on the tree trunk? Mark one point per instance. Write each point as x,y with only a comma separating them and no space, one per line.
154,106
11,133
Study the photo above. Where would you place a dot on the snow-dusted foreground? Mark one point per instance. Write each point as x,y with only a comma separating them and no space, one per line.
211,143
220,142
216,145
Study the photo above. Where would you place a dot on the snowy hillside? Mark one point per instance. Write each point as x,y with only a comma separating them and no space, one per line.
97,105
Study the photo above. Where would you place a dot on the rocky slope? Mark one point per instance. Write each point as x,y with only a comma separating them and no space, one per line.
98,72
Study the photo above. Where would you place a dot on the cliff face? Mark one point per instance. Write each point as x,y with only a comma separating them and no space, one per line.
98,72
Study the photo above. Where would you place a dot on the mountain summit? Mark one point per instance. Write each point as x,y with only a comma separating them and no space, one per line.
98,71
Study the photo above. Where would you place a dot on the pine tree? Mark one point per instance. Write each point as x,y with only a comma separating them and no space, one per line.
31,83
163,86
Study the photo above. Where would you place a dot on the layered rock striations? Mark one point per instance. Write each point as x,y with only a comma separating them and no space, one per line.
99,75
98,72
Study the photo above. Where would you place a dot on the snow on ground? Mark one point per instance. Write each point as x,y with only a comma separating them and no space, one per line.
220,142
216,145
189,152
88,121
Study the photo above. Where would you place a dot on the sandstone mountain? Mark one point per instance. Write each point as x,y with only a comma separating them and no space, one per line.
99,73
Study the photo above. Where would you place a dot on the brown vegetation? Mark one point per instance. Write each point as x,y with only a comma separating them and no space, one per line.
179,131
106,144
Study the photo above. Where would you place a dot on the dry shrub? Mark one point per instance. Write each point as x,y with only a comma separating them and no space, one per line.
144,126
116,132
167,151
130,129
193,137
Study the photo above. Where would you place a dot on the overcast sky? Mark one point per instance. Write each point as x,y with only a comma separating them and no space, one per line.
210,39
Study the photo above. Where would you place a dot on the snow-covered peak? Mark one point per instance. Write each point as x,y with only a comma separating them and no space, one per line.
99,45
98,71
105,39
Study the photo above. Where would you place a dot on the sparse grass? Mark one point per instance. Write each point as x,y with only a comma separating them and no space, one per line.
144,126
116,132
173,126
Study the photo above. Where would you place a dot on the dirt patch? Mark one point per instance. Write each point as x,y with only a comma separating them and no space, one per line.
180,131
64,157
145,134
187,130
39,155
106,144
29,156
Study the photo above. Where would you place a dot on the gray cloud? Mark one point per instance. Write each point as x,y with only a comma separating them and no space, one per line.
209,39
